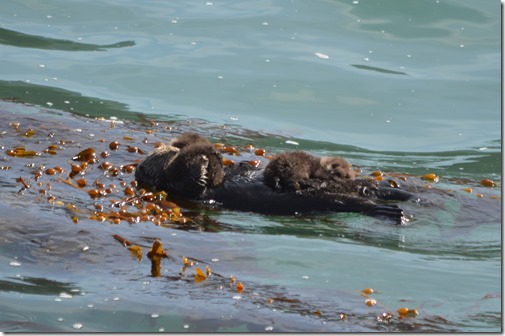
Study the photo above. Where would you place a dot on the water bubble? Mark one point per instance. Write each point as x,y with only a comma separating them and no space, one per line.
155,315
42,66
15,263
321,55
269,328
77,326
236,297
64,295
186,326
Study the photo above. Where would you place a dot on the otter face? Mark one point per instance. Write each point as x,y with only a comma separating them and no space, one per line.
337,166
198,164
188,166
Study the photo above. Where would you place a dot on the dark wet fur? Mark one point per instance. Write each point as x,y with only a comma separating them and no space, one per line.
248,192
187,167
191,167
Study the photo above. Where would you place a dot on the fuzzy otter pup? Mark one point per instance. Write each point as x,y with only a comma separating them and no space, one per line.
298,170
292,183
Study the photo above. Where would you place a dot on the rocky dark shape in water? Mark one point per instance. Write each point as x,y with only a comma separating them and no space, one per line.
191,168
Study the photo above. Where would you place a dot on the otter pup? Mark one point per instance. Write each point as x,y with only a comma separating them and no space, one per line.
190,167
297,170
187,167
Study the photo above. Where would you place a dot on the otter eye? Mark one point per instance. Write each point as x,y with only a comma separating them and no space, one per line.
335,165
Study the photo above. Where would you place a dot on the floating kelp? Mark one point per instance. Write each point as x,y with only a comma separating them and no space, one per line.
22,152
155,254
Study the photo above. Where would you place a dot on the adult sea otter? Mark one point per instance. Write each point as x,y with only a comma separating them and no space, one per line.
191,168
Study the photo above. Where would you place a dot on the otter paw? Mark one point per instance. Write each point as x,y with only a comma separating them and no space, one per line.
390,211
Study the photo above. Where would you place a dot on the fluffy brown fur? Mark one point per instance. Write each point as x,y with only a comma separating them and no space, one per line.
297,170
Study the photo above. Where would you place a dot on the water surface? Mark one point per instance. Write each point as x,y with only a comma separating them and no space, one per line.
399,86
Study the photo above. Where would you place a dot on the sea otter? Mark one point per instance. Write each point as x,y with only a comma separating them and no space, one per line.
191,168
297,170
188,166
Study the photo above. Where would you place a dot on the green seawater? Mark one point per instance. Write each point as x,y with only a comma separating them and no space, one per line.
407,86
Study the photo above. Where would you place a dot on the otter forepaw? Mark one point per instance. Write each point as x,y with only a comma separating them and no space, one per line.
391,211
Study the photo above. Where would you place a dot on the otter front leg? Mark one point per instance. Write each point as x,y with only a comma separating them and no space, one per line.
391,211
370,208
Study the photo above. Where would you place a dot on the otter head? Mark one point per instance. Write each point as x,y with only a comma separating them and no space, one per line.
338,167
188,138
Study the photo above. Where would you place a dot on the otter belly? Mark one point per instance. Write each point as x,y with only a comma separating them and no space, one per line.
250,193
